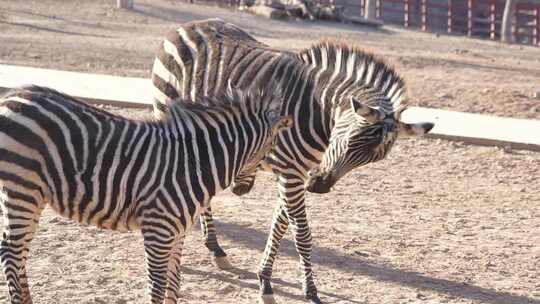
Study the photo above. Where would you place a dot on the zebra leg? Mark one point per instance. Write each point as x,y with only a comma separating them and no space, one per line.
173,273
24,284
303,243
291,210
219,257
157,247
279,226
21,218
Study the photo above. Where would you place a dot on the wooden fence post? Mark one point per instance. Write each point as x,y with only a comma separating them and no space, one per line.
424,13
506,26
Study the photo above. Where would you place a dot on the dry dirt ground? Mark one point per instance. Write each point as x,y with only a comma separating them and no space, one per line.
442,71
436,222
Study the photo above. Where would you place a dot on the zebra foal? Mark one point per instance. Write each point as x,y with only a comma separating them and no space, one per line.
104,170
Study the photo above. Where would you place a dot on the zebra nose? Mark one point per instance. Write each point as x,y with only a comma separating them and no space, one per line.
428,126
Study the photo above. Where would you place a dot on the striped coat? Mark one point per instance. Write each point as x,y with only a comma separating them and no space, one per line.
104,170
346,105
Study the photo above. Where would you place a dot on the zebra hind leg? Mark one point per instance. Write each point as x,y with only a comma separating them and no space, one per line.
219,257
21,217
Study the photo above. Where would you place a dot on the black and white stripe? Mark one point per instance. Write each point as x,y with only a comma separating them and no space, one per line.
103,170
345,103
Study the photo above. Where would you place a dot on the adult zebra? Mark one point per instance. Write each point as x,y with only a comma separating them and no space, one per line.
324,88
100,169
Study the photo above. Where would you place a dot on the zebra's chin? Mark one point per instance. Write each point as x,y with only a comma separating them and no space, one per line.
320,184
241,188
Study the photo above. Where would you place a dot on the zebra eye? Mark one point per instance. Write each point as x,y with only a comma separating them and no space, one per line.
272,115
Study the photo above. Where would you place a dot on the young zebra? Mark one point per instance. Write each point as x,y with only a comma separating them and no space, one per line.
104,170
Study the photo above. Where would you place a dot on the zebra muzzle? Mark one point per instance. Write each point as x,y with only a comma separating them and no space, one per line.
320,183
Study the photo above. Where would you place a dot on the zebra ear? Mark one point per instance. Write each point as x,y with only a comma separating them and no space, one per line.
370,114
399,111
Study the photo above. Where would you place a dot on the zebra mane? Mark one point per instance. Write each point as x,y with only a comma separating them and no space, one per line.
255,98
367,70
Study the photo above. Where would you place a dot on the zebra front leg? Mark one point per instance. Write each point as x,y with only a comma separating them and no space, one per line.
174,272
21,218
291,210
25,288
219,257
279,227
157,248
303,243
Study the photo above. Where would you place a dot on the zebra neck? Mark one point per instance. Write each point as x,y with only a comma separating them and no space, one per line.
210,149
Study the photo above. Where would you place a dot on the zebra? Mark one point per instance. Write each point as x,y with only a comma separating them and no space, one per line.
346,104
100,169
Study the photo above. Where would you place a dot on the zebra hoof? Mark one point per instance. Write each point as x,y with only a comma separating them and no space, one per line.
314,299
222,263
267,299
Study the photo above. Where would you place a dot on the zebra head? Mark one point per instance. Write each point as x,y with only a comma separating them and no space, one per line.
362,134
269,122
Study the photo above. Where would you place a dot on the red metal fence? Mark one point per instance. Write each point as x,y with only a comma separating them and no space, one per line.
475,18
527,23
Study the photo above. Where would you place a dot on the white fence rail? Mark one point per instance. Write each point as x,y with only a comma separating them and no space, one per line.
137,92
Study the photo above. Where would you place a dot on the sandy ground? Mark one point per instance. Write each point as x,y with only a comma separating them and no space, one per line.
442,71
437,222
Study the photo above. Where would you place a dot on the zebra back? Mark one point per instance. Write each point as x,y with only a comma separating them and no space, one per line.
191,62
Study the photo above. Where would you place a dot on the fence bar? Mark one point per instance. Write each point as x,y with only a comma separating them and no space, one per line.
492,14
449,16
424,15
406,14
537,25
470,18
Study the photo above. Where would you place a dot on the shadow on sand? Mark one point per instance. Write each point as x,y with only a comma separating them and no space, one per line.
255,239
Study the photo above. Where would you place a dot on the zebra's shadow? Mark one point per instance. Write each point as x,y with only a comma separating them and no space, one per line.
356,265
241,275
